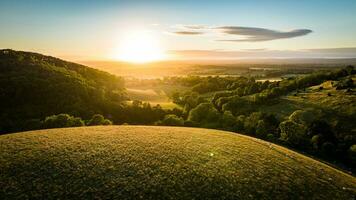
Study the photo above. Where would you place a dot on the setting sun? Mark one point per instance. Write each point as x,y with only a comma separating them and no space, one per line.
139,47
177,99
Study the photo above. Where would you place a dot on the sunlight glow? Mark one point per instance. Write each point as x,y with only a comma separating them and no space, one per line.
139,47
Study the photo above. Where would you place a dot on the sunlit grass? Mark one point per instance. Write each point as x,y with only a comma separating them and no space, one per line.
116,162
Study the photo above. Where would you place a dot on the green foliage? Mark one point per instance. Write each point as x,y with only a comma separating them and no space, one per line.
316,141
293,133
205,114
61,121
322,128
171,120
345,83
228,121
98,119
239,126
260,124
302,117
34,86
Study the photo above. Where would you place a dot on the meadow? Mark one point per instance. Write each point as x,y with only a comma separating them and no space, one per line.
147,162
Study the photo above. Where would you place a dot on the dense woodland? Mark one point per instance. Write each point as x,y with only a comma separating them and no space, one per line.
44,92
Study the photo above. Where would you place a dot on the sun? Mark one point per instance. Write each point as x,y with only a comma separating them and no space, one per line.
139,47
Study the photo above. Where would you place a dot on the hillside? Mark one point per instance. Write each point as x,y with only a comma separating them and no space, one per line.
116,162
34,86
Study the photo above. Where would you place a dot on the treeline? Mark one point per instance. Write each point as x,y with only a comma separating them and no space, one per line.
34,86
233,101
237,109
65,120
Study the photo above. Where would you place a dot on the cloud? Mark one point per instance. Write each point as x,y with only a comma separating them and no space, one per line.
327,53
188,32
254,34
194,26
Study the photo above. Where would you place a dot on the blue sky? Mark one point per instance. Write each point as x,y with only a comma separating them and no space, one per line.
92,29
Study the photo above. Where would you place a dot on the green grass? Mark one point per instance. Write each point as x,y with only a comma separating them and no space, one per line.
339,103
152,95
120,162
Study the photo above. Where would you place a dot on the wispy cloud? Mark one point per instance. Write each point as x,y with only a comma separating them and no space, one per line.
254,34
194,26
267,53
188,32
248,34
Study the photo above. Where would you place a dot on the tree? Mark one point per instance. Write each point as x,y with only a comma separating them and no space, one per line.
302,117
293,133
62,120
251,122
239,125
171,120
205,114
98,119
262,129
316,141
323,129
228,121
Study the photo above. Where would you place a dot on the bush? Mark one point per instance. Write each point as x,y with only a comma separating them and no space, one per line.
262,129
239,125
293,133
270,137
189,123
316,141
171,120
205,114
302,117
324,130
98,119
228,121
62,120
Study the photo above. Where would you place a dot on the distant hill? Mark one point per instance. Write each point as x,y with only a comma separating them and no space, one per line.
147,162
34,86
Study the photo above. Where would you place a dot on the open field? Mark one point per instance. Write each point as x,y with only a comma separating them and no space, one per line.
323,97
151,96
117,162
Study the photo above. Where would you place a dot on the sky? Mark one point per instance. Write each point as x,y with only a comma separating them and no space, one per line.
109,30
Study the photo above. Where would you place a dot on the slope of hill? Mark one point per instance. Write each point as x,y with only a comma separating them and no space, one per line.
34,86
117,162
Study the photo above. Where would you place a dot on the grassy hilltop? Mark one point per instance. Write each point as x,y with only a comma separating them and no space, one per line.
117,162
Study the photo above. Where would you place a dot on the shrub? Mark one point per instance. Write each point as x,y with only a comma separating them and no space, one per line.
171,120
98,119
302,117
293,133
239,125
270,137
62,120
205,114
323,128
261,129
228,121
316,141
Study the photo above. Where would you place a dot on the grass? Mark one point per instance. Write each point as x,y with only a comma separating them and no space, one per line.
154,96
147,162
338,103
